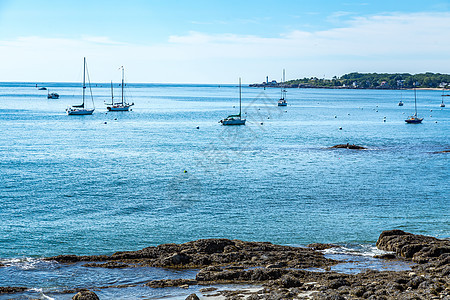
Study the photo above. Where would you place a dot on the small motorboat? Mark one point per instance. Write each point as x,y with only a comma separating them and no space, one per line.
53,96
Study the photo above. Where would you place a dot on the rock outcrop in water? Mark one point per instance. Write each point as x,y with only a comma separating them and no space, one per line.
283,272
348,146
205,253
85,295
418,248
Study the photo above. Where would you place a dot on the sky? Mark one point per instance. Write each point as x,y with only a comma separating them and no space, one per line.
169,41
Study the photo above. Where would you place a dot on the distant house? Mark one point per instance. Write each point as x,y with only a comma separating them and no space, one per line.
444,85
384,84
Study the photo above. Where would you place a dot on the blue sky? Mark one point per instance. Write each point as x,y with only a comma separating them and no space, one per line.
219,41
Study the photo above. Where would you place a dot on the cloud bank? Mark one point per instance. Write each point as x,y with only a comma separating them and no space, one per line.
380,43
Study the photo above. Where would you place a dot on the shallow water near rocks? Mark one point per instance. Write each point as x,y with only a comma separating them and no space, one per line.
115,181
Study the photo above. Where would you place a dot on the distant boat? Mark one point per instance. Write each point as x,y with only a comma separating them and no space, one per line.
282,101
42,88
53,96
443,95
235,119
414,119
81,109
400,103
122,105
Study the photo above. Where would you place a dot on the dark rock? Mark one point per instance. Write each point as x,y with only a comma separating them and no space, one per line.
288,281
444,151
348,146
107,265
337,283
192,297
85,295
12,289
176,259
170,283
209,252
358,291
209,289
319,246
418,248
415,281
393,286
386,256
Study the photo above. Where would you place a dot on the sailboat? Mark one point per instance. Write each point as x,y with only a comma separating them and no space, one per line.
282,101
81,109
414,119
122,105
235,119
443,95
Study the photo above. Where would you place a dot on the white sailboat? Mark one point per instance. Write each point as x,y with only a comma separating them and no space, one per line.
81,109
122,105
235,119
282,101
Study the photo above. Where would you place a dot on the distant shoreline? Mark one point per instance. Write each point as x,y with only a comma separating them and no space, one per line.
342,88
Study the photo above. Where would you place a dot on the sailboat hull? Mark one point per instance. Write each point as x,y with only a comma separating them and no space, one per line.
414,120
233,122
119,107
79,112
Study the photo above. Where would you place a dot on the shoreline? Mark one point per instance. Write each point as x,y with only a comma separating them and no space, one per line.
343,88
279,272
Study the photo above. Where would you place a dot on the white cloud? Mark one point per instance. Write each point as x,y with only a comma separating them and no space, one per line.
391,43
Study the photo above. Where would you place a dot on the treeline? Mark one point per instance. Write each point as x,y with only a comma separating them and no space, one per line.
377,80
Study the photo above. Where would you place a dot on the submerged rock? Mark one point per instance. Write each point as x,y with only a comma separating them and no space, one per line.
12,289
444,151
85,295
192,297
348,146
320,246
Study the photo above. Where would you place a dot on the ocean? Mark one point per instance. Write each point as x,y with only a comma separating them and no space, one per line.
168,172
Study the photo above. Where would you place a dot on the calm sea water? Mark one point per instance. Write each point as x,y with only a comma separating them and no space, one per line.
116,181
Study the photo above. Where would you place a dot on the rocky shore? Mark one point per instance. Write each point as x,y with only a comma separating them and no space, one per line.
283,272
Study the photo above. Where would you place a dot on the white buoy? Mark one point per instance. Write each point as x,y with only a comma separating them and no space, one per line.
340,128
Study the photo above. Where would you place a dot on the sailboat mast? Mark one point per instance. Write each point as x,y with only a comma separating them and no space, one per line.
84,77
415,101
112,94
240,100
122,84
